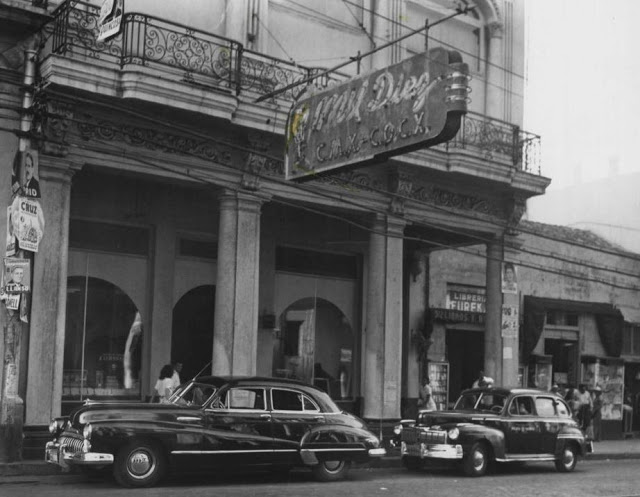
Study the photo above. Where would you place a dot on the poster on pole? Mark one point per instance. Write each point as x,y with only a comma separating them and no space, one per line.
29,175
28,222
510,321
509,278
110,19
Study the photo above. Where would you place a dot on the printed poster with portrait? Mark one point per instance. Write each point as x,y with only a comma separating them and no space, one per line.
28,222
16,277
509,278
29,174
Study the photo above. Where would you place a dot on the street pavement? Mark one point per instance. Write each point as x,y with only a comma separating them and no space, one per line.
612,478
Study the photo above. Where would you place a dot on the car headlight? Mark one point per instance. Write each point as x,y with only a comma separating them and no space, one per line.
397,429
86,432
53,427
453,433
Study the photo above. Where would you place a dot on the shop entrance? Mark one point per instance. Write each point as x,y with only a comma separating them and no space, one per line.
465,353
564,360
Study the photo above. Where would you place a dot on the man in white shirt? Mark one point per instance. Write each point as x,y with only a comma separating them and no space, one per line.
482,380
175,379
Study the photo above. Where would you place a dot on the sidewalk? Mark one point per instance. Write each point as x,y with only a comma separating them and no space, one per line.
609,449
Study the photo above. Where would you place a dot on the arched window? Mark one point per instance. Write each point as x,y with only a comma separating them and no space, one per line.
103,341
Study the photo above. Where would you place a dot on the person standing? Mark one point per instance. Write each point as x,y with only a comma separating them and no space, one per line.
175,377
596,417
164,385
585,409
425,400
482,380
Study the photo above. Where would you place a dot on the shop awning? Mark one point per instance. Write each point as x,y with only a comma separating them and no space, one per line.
609,320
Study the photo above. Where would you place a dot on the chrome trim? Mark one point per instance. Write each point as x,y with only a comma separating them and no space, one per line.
187,419
527,457
335,450
221,451
379,452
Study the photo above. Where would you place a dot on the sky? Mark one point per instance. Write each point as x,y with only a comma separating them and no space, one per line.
582,92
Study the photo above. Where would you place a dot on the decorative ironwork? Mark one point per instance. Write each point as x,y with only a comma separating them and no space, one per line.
212,61
498,141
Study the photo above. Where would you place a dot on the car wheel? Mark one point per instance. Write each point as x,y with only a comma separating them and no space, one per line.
412,463
476,461
568,459
331,470
139,464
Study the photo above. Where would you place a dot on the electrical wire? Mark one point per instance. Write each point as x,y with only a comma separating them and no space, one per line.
359,23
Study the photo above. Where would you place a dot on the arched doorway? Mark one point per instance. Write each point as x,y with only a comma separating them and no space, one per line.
316,346
103,341
192,330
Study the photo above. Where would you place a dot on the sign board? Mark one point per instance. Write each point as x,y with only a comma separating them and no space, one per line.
110,19
414,104
466,298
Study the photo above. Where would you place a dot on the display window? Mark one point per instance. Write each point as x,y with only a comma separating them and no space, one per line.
103,342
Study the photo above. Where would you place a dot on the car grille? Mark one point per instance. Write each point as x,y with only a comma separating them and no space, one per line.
424,436
72,445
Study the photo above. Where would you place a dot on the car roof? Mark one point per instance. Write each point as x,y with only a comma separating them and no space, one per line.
219,381
509,391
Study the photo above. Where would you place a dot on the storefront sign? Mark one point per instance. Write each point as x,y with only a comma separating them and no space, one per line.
110,18
510,321
414,104
28,222
451,316
466,298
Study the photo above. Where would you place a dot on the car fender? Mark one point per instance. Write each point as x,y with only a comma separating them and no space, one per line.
471,433
329,442
570,433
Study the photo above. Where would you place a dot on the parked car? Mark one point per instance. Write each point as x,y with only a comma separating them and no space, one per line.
212,423
495,424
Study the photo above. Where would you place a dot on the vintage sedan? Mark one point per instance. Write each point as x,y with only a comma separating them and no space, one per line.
496,424
212,423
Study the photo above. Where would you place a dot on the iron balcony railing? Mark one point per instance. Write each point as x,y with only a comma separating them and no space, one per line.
204,59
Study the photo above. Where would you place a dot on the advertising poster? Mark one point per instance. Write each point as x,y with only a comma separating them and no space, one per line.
510,321
16,275
11,238
29,174
509,278
110,19
28,222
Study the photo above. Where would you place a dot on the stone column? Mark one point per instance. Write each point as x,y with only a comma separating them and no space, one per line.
237,306
493,318
495,83
49,295
383,329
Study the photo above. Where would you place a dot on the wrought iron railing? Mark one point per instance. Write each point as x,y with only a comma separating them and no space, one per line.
498,141
213,61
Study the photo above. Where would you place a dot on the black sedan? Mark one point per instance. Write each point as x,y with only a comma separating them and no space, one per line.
212,423
496,424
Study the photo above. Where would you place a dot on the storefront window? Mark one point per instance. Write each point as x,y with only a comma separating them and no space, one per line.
103,342
317,346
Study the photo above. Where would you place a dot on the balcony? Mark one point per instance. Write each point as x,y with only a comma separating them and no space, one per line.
181,55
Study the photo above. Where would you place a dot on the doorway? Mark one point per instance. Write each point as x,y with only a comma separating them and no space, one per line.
192,330
465,353
564,360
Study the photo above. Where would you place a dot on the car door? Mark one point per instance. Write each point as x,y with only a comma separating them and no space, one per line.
293,414
554,415
238,428
522,427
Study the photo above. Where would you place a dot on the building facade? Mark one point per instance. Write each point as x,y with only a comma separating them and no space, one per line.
170,232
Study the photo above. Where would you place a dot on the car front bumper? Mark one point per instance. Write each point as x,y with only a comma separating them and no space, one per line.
56,454
431,451
379,452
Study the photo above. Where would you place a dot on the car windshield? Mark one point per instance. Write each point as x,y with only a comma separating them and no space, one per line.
483,401
192,394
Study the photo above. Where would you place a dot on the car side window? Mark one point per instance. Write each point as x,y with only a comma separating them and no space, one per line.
562,409
545,407
245,398
309,405
286,400
521,406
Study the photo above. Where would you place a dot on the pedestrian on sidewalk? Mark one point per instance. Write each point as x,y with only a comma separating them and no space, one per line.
425,400
596,418
585,409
